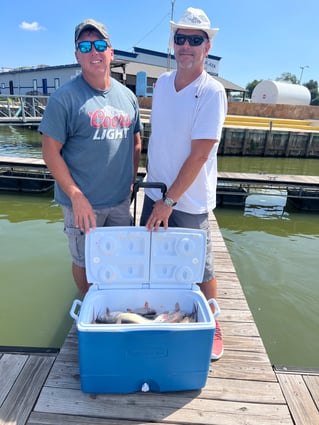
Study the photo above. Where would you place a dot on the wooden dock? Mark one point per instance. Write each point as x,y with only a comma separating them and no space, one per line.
242,387
243,178
229,184
14,161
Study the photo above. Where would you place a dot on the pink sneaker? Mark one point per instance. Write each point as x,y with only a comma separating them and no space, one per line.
217,350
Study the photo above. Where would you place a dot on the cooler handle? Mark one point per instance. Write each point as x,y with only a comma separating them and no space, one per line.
76,303
217,308
151,185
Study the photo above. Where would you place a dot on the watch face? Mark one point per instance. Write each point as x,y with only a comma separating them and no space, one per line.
169,202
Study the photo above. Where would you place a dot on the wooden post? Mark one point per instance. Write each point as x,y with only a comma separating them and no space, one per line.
268,140
246,142
309,145
290,138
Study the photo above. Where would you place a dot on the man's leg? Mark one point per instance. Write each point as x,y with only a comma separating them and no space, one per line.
209,289
209,284
76,240
79,276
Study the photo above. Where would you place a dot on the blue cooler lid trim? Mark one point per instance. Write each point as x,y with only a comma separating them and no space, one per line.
134,256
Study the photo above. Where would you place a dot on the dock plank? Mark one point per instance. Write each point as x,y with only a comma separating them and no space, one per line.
237,329
312,383
179,408
268,177
299,399
10,367
244,365
232,389
18,404
39,418
13,160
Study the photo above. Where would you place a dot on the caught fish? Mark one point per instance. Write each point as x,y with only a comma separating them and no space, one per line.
193,317
147,315
116,317
133,318
109,317
146,311
171,317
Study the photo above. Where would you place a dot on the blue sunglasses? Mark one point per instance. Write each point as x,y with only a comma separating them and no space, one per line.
86,46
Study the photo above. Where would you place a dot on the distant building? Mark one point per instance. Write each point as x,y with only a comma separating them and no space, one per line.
141,66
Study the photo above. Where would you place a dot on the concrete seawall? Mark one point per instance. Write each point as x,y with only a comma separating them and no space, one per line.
243,135
271,143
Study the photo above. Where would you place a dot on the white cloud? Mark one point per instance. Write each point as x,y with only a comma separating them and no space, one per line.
33,26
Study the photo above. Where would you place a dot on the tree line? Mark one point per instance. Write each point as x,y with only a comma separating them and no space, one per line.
287,77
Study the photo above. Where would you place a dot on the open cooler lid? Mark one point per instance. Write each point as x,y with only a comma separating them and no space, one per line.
134,256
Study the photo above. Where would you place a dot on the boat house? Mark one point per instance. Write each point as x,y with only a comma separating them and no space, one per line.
138,70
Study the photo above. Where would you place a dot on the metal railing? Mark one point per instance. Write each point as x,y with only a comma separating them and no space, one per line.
24,108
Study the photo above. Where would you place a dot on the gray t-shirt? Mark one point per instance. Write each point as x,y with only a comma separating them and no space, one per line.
97,131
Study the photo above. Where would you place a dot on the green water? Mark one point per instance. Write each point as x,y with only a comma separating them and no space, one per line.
19,141
35,278
276,260
294,166
274,250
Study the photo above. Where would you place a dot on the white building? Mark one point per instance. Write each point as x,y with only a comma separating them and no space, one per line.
44,80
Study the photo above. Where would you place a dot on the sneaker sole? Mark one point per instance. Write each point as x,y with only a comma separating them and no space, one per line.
214,357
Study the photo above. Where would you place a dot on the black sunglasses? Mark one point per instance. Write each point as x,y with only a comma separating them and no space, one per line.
193,40
86,46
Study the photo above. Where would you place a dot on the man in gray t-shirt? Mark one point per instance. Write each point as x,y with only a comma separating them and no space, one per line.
91,144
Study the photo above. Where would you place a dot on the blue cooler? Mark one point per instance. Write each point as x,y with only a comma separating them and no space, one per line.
132,267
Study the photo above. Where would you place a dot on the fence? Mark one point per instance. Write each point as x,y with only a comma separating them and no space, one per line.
24,109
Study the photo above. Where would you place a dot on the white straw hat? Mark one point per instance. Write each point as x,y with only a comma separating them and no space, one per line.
194,19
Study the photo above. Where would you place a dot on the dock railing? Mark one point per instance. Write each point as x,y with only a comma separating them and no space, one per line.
22,108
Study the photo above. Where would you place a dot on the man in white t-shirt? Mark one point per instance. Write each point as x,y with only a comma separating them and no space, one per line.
188,113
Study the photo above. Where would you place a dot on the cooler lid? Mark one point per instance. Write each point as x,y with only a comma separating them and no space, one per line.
134,256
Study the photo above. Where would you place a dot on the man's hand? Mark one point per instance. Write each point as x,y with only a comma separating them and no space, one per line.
84,217
160,214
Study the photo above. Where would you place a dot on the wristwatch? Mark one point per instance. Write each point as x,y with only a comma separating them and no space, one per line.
169,201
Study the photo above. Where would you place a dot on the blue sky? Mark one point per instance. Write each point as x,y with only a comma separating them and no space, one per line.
258,39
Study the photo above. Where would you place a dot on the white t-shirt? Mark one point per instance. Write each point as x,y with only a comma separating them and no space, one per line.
196,112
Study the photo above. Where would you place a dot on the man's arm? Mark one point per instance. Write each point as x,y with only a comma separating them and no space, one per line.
200,150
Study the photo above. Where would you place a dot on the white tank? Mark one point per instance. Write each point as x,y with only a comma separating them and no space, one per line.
275,92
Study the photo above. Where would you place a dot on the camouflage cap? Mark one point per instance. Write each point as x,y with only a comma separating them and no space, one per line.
90,24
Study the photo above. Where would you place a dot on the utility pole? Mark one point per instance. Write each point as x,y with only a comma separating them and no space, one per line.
169,54
302,68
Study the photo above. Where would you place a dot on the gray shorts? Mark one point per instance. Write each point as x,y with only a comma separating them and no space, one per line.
191,221
114,216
